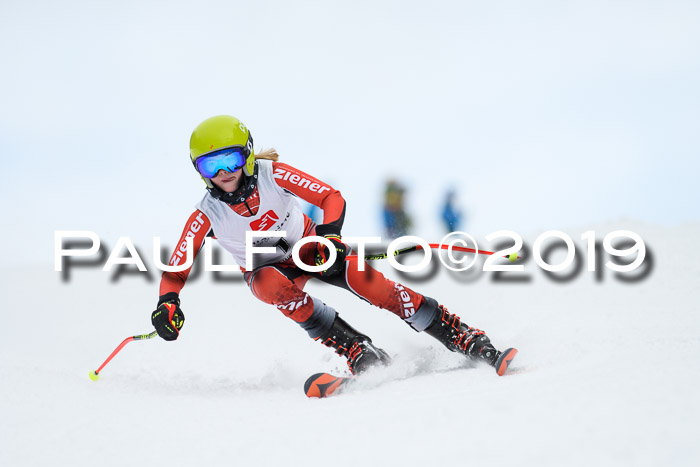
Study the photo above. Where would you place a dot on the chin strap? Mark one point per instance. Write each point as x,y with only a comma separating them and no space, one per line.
239,196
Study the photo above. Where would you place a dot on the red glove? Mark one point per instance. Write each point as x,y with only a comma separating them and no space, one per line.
168,318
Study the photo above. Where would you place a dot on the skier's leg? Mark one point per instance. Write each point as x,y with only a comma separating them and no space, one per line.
283,287
358,348
422,313
459,337
371,286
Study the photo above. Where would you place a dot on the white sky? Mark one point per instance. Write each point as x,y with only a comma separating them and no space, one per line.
544,114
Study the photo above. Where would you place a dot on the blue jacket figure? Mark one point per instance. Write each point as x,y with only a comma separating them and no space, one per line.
451,216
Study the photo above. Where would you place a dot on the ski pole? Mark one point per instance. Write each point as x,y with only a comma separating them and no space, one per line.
95,375
512,257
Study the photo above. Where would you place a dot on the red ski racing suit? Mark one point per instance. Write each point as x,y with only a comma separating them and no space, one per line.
281,283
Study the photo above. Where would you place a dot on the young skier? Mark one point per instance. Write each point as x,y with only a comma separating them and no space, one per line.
254,192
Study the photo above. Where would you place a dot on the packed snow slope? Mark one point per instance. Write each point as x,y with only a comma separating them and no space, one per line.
607,373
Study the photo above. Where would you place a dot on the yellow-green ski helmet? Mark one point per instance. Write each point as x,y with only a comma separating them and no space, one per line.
222,132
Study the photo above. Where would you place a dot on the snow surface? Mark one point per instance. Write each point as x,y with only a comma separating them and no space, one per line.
606,374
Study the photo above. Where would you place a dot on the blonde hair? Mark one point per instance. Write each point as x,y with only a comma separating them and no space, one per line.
268,154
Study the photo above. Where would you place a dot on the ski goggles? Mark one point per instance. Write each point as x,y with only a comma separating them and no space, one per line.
228,159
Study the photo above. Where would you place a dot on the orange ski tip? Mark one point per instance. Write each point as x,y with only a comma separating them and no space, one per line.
321,385
505,359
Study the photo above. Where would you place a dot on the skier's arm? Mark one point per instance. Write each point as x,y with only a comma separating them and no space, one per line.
168,317
198,227
325,197
314,191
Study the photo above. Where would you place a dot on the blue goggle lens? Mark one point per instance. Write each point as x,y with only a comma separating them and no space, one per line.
230,160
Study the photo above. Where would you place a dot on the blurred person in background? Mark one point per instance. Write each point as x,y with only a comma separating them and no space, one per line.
451,215
396,220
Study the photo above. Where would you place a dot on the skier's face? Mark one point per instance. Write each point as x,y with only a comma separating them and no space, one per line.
227,181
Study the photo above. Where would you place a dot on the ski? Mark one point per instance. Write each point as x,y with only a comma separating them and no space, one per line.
503,361
324,384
